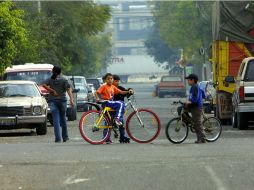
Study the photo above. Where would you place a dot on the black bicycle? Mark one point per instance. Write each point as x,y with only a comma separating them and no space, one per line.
177,128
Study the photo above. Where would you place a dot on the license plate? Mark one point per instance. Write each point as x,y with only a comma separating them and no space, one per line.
7,121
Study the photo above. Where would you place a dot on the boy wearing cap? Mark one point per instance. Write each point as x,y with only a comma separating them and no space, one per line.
195,105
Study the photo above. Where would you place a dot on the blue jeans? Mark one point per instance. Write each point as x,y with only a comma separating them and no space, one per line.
118,106
58,110
121,128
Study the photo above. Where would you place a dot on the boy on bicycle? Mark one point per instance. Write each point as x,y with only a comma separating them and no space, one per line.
195,106
120,97
107,92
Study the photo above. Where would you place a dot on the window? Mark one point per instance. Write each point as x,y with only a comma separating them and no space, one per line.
15,90
249,71
139,23
171,79
37,76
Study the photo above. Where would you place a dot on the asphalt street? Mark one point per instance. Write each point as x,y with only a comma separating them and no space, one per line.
28,161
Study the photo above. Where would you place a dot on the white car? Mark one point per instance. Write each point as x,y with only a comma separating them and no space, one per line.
22,106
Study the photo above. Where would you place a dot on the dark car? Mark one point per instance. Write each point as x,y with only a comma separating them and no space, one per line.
170,85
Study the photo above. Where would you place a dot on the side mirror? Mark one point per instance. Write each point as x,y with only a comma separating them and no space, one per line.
75,90
229,79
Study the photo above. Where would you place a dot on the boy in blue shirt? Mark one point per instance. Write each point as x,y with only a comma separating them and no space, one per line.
195,105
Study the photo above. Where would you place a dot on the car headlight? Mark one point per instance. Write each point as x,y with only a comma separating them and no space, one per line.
37,109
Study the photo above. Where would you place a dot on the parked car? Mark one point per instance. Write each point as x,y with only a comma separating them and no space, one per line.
91,92
39,73
78,80
170,85
83,97
95,81
22,106
243,96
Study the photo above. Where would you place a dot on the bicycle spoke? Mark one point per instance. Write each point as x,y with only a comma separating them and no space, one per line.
94,128
143,126
212,129
176,131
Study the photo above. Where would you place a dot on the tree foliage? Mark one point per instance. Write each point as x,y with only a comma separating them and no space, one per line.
12,33
65,33
185,25
159,49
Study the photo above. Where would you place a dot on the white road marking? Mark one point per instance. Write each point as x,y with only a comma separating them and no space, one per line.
215,178
1,166
72,180
76,138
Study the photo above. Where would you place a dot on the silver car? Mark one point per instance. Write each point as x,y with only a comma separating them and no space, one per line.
83,97
22,106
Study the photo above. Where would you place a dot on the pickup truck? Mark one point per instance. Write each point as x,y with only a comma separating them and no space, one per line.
170,85
243,95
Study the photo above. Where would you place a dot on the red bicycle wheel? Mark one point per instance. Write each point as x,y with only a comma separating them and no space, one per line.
89,129
143,126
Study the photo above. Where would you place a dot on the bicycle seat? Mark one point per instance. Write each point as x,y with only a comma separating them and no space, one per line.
101,102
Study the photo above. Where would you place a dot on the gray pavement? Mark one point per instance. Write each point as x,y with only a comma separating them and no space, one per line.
28,161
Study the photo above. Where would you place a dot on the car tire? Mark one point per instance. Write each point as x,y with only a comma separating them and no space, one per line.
234,120
242,121
50,119
73,115
86,108
41,129
182,94
160,94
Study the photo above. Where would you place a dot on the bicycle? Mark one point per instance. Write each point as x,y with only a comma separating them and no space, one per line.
142,125
177,128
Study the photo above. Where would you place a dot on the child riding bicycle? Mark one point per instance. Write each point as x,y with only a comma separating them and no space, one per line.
107,92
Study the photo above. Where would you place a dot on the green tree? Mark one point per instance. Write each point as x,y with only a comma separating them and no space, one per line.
12,33
160,50
80,22
62,31
185,25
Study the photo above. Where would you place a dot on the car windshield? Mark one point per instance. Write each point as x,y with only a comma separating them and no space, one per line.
81,89
79,80
18,90
171,79
37,76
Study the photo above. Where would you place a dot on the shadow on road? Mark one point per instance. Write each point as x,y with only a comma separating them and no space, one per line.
17,134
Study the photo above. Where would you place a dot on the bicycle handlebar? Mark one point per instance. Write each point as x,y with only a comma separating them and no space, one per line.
130,97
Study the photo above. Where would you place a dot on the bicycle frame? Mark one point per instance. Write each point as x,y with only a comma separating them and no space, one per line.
190,120
106,112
